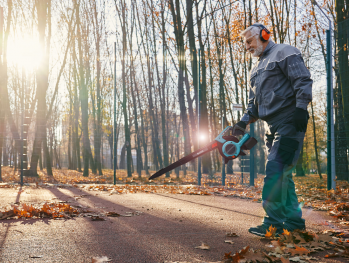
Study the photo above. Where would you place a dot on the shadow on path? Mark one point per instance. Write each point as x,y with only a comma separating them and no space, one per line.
150,238
216,207
8,224
101,238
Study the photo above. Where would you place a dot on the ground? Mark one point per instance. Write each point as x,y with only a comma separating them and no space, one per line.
71,222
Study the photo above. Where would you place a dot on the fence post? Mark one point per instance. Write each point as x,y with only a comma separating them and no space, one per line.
331,184
198,109
114,137
252,171
329,174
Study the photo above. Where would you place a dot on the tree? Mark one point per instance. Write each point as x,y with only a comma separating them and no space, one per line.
44,17
122,19
179,35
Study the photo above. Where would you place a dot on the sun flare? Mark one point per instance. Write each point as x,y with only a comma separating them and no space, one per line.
24,52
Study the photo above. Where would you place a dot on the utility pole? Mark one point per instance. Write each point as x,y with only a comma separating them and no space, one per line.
22,128
198,109
114,126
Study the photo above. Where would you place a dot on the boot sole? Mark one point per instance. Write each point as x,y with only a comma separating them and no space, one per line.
260,234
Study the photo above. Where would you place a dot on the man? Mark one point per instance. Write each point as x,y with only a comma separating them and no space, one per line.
280,90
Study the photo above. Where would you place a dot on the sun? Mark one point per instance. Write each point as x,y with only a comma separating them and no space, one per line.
25,52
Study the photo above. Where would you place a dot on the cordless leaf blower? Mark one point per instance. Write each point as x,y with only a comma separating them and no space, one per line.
228,145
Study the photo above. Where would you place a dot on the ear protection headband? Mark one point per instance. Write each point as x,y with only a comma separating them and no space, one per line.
264,33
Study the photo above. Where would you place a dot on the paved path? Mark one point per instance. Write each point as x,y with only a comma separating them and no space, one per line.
168,229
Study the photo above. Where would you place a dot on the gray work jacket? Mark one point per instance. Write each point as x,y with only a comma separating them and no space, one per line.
279,82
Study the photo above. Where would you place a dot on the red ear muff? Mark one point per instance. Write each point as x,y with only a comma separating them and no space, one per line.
265,34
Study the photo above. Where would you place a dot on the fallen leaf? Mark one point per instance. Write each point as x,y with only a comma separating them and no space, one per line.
285,260
113,214
32,256
237,257
298,238
309,258
298,251
229,241
286,232
271,258
97,218
231,234
252,256
203,246
332,255
100,259
297,259
271,233
325,238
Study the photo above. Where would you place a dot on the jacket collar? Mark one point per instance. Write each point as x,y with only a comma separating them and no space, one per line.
270,45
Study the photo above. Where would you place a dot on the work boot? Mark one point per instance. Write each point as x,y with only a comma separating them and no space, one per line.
261,230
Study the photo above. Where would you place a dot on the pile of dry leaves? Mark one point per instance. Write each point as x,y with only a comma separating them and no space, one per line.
47,210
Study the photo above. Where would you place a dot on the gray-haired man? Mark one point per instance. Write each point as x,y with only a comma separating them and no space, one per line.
280,90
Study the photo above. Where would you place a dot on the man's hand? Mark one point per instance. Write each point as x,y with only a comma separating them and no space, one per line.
239,128
300,119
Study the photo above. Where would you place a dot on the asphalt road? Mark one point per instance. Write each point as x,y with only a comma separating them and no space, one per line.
168,227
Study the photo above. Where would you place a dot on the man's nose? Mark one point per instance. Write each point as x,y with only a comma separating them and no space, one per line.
248,46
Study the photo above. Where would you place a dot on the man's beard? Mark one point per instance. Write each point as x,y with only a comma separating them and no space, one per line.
258,50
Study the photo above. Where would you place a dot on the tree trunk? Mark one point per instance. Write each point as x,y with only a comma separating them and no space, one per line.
47,157
177,131
144,124
143,131
215,155
165,151
83,97
6,109
70,166
97,139
343,60
124,93
40,161
299,165
122,164
342,112
137,132
315,142
341,145
44,14
179,35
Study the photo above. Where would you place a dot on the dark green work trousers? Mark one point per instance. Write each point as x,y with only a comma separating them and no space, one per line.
280,201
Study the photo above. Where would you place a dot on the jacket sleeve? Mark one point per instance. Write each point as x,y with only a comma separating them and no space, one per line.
297,73
251,113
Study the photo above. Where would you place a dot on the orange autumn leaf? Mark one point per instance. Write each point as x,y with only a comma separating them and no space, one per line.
286,232
237,256
271,232
299,251
331,255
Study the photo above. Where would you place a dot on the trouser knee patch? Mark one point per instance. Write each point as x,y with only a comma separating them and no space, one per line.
286,150
272,189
